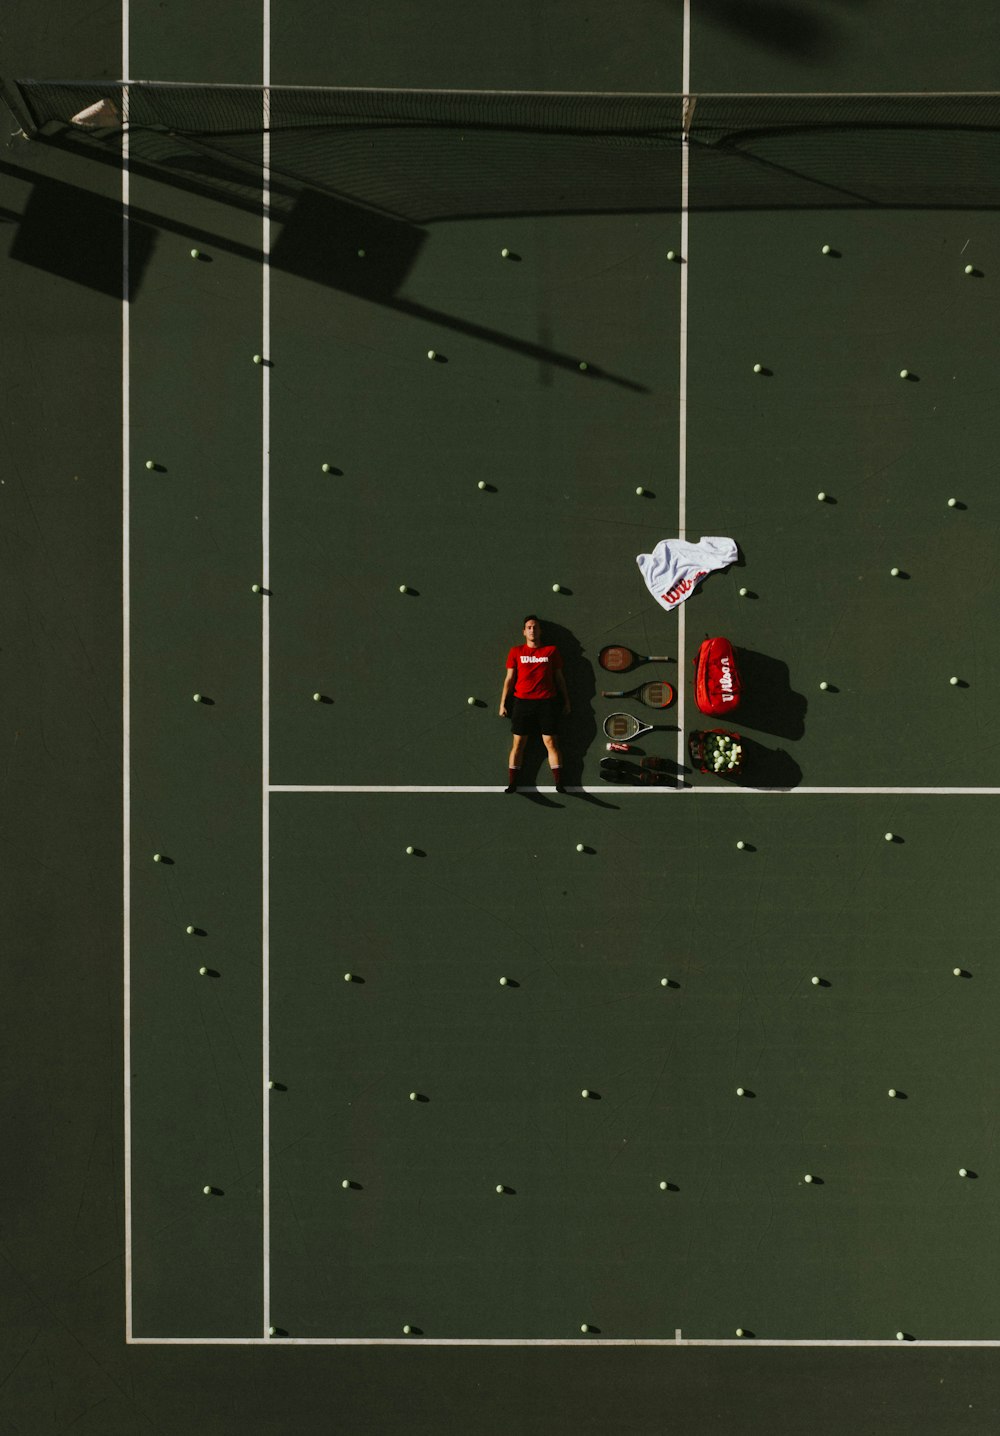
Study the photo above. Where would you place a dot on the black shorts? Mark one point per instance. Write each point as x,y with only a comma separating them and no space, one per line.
536,715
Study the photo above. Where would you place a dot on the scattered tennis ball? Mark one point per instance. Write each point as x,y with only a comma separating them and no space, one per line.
741,844
258,358
584,366
640,491
900,1335
584,1327
663,1186
325,468
255,588
413,1096
481,484
432,353
953,681
821,496
317,698
207,1191
894,572
744,592
892,1091
952,503
741,1092
963,1171
404,588
471,702
664,981
957,971
557,588
500,1191
889,837
503,982
671,254
825,249
824,686
345,1184
410,851
585,1092
815,982
739,1331
157,857
271,1085
505,253
904,373
189,931
196,697
970,269
407,1330
361,254
581,848
758,368
807,1177
196,254
150,463
348,976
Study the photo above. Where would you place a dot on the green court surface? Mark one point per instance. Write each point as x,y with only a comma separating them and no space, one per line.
312,1164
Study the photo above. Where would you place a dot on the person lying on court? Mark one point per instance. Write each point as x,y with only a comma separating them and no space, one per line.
540,697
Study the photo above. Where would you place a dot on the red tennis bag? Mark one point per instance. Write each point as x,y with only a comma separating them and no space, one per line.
717,687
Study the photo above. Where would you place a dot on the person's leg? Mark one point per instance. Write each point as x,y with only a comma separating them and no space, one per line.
555,759
517,747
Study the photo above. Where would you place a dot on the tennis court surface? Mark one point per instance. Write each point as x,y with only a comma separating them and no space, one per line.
702,1063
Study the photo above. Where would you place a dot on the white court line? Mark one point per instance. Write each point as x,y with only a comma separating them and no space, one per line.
683,379
126,695
266,669
623,790
579,1341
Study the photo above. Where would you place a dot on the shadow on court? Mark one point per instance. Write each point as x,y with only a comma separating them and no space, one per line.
770,703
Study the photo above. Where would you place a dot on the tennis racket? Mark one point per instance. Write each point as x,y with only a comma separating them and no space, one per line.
654,695
617,659
623,727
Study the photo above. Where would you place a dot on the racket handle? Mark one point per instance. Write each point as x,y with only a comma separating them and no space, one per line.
619,747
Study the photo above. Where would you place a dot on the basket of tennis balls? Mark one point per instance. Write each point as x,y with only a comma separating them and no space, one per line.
715,750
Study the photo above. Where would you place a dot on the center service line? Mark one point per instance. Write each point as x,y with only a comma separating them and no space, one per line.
683,373
266,667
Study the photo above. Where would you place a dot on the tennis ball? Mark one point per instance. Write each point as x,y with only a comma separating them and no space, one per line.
953,682
150,464
557,588
970,269
258,358
900,1335
671,254
271,1085
207,1191
826,249
481,484
957,971
404,588
325,468
584,1327
431,354
963,1172
824,686
744,592
407,1330
195,253
741,1091
580,847
758,368
196,697
345,1184
904,373
361,254
584,366
952,503
739,1331
499,1191
413,1096
664,981
889,837
255,588
189,930
807,1177
821,496
815,982
203,972
892,1091
894,572
741,844
640,491
348,976
157,857
663,1186
410,851
585,1092
503,982
471,702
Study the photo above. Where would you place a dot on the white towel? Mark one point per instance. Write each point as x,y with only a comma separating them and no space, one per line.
675,567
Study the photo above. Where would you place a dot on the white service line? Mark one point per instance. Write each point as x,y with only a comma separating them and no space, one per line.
683,383
676,1340
266,667
126,696
654,790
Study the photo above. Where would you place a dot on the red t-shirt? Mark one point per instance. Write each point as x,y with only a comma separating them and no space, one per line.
535,668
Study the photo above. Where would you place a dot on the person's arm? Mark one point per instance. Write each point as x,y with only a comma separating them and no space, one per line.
560,678
508,684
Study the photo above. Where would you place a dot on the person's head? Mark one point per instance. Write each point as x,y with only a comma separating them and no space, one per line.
533,629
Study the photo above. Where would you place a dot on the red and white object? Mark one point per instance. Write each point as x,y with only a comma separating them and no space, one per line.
675,567
717,685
